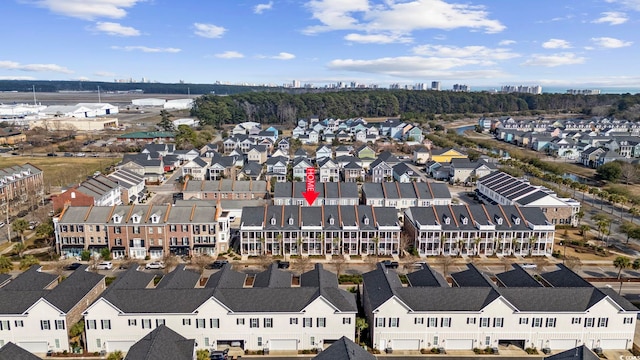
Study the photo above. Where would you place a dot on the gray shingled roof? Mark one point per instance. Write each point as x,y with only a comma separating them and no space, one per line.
180,278
517,277
426,277
578,353
344,349
11,351
162,343
472,277
273,278
69,292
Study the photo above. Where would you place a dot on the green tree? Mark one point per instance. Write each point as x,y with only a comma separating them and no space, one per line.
202,354
621,263
28,261
44,230
636,264
610,171
77,329
19,248
20,226
85,255
105,254
584,230
361,325
5,264
165,122
116,355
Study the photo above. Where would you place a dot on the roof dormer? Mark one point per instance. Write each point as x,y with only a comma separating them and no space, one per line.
464,220
331,220
365,220
117,218
498,220
135,218
446,219
155,218
290,221
272,221
515,219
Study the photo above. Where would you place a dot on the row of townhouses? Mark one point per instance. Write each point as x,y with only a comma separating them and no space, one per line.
138,231
19,183
556,310
314,131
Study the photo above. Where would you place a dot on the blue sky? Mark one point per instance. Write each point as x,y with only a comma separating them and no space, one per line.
576,43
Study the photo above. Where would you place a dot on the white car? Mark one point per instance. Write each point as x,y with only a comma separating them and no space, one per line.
529,266
105,265
155,265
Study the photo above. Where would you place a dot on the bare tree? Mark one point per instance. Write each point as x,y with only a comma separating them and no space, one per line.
265,260
445,261
410,261
338,264
573,262
303,264
58,267
170,262
507,263
200,262
629,173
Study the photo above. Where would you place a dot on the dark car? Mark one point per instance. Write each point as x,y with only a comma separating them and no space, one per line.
68,154
283,264
219,355
390,264
72,266
52,154
218,264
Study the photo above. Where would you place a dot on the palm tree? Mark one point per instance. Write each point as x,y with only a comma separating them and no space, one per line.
584,230
19,248
532,241
280,244
634,212
20,226
636,264
376,242
621,262
361,324
476,245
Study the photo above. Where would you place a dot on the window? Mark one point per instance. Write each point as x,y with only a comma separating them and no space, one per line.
240,321
19,323
379,322
576,320
498,322
551,322
418,321
91,324
206,341
57,342
471,320
484,322
132,322
524,321
312,340
45,325
603,322
432,322
214,323
307,322
259,341
105,324
293,321
98,343
588,322
346,320
254,322
487,340
59,324
321,322
394,322
273,221
537,322
435,340
627,320
268,322
445,322
200,324
186,322
159,322
4,325
146,323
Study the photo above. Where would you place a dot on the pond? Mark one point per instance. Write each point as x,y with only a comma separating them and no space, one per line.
578,178
462,129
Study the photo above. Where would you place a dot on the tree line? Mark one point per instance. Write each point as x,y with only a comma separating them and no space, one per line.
286,108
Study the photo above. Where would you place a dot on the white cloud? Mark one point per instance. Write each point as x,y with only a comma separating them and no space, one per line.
104,74
209,30
283,56
229,55
414,66
610,43
116,29
260,8
631,4
398,16
89,9
554,60
377,38
146,49
12,65
612,17
478,52
9,77
506,42
556,44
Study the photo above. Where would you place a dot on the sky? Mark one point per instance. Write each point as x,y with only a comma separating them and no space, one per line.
480,43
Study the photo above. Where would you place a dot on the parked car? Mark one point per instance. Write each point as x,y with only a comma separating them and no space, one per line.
68,154
390,264
2,224
32,225
529,266
219,354
73,266
155,265
218,264
105,265
52,154
283,264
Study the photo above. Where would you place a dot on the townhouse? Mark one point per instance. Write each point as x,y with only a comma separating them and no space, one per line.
225,189
18,183
404,195
132,189
137,231
467,171
479,230
38,308
329,193
504,189
224,311
319,230
97,190
556,310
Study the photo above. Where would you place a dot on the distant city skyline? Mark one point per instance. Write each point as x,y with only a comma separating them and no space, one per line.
482,43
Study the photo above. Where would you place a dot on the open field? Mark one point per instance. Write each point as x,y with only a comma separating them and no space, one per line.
62,171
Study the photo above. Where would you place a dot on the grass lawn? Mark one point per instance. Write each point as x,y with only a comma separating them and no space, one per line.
62,171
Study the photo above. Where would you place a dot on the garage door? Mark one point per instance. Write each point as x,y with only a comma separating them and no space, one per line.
405,344
459,344
562,344
283,344
34,346
618,344
123,345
